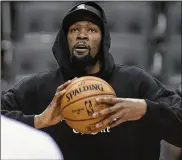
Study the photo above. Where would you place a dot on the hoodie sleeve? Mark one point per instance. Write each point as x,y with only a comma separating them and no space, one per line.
164,109
19,103
11,106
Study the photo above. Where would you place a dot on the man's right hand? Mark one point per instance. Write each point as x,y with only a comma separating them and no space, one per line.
51,116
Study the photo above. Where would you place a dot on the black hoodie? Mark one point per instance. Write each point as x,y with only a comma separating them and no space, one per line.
134,140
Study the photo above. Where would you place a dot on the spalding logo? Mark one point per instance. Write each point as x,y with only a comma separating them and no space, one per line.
77,91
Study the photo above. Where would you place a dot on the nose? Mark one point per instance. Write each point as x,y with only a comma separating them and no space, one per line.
82,36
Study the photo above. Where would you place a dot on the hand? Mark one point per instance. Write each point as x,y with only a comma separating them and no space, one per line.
123,109
51,116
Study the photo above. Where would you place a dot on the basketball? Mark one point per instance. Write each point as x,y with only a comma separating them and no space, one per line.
79,103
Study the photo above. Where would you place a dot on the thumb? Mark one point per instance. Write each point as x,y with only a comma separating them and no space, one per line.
59,94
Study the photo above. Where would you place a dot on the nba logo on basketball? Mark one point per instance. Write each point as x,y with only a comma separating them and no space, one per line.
89,108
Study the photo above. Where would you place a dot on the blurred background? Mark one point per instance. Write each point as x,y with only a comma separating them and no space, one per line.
147,34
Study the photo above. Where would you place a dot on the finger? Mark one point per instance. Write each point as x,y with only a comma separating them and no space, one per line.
108,110
66,84
120,118
102,123
124,118
74,79
109,120
60,94
57,98
108,100
61,87
117,122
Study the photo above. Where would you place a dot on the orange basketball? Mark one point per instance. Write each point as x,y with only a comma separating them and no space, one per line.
78,103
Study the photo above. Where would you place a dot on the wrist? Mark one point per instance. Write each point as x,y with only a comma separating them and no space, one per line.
38,123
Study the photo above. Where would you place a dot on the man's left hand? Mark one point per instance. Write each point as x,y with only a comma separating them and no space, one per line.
122,110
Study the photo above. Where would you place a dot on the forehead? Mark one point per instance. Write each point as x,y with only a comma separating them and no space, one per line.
83,23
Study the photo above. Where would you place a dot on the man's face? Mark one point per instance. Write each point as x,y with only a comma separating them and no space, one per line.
84,38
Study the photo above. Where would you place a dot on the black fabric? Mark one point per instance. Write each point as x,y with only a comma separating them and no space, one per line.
134,140
86,13
137,140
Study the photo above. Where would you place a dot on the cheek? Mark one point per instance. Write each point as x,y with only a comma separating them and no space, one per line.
96,44
71,41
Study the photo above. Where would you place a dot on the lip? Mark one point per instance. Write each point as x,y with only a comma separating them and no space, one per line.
81,51
81,46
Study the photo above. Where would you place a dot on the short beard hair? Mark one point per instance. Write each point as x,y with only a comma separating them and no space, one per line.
84,61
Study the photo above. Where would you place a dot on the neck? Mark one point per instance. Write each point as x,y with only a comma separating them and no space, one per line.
93,69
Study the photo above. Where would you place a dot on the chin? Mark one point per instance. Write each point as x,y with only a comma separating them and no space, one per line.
80,54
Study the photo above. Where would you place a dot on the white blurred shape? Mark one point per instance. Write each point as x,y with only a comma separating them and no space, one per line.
157,65
19,141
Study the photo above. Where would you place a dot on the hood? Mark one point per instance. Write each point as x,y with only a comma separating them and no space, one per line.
61,50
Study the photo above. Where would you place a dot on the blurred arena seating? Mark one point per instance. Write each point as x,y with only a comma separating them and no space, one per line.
130,25
172,60
38,24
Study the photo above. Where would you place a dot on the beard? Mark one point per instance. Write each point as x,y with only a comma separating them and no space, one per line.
84,60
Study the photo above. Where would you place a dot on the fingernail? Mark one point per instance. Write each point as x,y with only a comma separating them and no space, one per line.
74,79
63,90
98,125
95,115
69,81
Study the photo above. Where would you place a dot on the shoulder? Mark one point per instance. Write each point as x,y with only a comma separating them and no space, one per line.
136,74
34,80
132,70
39,76
32,84
142,78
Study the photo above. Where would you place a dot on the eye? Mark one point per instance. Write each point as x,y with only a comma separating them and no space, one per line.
92,30
74,30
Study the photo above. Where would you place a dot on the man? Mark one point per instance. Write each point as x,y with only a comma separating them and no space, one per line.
17,144
149,110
